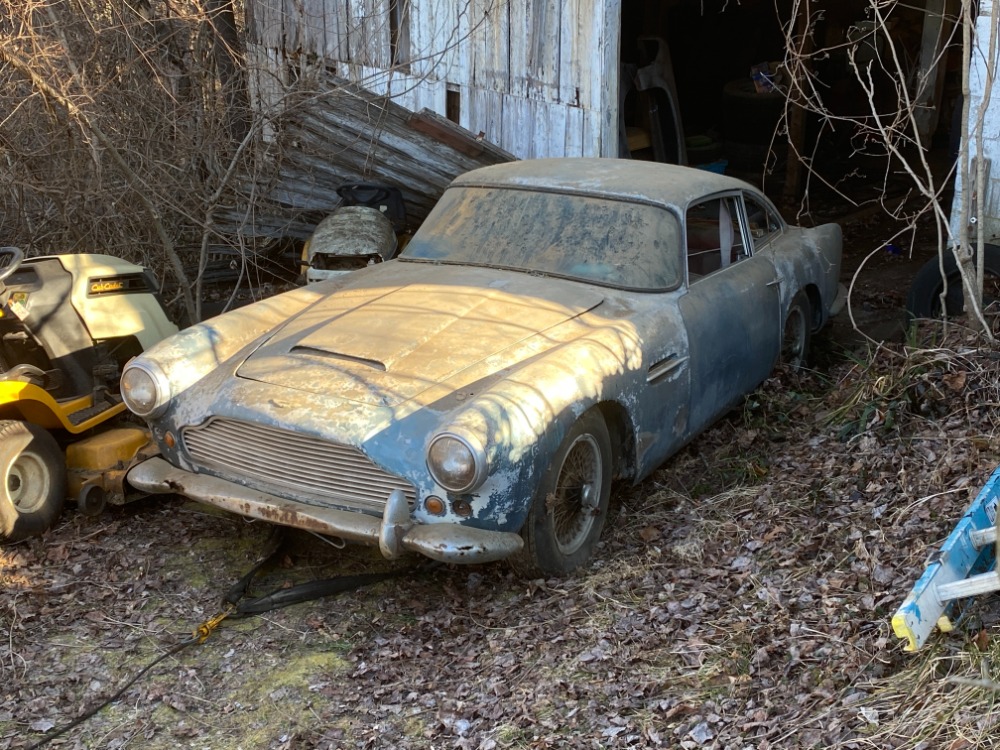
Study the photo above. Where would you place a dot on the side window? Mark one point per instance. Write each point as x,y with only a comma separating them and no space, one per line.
714,239
762,222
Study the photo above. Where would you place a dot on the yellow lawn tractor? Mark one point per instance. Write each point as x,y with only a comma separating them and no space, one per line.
68,323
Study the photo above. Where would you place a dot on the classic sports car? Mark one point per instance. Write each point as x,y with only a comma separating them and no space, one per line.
553,325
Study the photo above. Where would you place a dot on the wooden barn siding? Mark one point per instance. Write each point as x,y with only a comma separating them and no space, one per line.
538,77
345,135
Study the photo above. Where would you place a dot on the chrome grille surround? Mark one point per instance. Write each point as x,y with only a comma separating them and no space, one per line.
288,463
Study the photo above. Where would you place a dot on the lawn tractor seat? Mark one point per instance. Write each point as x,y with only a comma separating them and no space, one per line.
50,335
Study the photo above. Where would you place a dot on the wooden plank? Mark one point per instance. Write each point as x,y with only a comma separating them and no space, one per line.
355,34
544,29
441,129
432,95
486,113
291,24
434,32
381,35
253,18
313,26
517,34
266,90
421,16
553,133
500,52
372,24
527,116
574,132
348,134
604,72
335,40
578,49
404,90
489,67
592,126
375,79
459,70
511,137
270,32
476,62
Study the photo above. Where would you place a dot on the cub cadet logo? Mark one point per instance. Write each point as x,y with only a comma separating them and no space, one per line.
104,286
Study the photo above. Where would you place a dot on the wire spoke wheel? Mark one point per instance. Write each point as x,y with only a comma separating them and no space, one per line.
575,502
570,502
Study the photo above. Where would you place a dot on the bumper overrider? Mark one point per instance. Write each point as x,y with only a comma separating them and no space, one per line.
394,533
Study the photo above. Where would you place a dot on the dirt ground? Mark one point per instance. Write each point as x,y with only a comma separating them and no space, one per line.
740,598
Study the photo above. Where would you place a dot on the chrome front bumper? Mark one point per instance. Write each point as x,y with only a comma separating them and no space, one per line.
394,533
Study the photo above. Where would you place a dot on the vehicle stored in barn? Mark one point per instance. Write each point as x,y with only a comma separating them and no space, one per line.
553,325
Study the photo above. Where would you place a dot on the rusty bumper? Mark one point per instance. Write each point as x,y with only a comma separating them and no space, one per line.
393,533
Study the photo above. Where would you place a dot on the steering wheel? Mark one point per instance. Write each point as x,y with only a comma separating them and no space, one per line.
10,261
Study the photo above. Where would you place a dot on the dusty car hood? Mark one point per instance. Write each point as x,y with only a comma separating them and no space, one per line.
383,345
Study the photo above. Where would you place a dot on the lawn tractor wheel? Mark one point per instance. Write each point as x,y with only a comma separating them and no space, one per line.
33,475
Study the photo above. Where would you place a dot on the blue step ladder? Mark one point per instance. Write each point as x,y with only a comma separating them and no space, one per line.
964,566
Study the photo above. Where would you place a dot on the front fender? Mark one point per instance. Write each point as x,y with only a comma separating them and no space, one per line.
523,418
186,357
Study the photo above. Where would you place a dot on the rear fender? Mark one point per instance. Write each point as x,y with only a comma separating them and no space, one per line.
828,242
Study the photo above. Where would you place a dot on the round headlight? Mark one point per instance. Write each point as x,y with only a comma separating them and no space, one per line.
144,389
456,462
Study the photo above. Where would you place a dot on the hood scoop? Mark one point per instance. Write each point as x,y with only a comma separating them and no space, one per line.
385,345
323,354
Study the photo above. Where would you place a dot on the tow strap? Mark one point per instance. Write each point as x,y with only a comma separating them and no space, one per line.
235,605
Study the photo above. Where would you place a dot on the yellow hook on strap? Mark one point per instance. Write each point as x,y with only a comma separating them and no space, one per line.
203,631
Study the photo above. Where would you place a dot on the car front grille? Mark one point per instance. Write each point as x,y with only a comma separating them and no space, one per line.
292,464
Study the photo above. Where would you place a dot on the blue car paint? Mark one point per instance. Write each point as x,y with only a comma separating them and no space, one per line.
524,398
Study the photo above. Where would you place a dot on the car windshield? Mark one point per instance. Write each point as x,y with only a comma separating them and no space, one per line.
614,242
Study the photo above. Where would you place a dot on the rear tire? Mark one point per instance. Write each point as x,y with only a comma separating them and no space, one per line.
924,300
571,502
797,332
33,477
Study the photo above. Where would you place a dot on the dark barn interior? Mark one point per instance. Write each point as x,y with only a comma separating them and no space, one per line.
726,121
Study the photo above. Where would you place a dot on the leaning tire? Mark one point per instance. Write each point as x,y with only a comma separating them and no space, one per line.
797,332
33,474
924,300
568,511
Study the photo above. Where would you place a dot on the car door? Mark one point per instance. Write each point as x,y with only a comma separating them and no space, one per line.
663,418
731,310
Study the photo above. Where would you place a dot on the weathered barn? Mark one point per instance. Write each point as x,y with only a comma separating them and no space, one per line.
538,77
562,77
632,78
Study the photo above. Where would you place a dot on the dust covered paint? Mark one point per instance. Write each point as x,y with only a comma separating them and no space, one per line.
496,341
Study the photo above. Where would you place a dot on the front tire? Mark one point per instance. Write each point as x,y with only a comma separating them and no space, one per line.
33,476
568,511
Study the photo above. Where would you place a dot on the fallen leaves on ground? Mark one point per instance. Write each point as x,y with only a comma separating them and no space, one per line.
740,598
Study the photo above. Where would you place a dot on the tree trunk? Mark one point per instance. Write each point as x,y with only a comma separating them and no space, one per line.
228,52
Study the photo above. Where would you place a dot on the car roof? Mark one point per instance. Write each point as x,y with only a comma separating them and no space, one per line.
667,184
